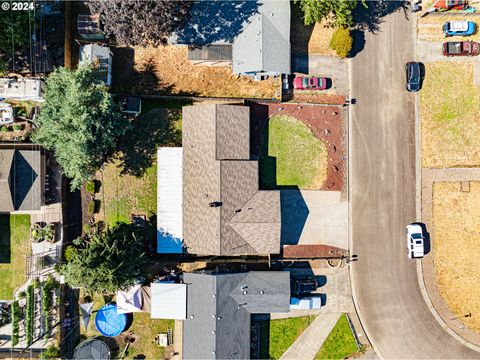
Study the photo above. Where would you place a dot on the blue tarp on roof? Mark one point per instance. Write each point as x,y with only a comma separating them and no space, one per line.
108,322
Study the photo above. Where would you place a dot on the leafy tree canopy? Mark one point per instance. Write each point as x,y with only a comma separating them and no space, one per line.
15,28
79,122
109,260
341,42
338,12
139,22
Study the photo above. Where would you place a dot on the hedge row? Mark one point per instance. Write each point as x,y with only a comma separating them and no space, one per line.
29,317
15,312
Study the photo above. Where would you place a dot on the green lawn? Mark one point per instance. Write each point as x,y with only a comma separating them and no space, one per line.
284,332
14,247
291,155
340,343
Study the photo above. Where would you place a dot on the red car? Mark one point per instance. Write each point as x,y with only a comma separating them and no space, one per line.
450,4
460,48
310,83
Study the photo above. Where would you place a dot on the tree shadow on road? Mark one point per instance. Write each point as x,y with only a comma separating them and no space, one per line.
370,17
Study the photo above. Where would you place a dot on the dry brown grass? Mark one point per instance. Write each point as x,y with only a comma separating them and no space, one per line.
312,39
166,70
436,33
450,116
456,248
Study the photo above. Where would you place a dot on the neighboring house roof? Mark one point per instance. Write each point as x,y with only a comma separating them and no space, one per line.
20,180
224,212
219,308
102,55
21,89
259,32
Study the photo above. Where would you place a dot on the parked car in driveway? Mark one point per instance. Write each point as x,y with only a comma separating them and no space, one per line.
310,83
458,28
306,303
412,70
415,241
460,48
304,286
443,5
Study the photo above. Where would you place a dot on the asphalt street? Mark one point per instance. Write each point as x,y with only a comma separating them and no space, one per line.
382,201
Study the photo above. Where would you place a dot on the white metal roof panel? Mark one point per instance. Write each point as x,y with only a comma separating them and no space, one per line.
169,200
169,301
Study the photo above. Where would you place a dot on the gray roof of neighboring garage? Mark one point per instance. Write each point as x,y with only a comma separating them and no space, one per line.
219,308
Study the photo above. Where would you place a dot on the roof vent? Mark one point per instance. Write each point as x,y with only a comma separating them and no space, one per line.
192,316
215,204
245,292
243,287
237,211
261,292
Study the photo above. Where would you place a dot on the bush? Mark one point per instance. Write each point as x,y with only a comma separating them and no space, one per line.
29,314
86,228
22,295
91,207
47,288
15,313
341,42
17,127
3,128
90,187
52,352
70,252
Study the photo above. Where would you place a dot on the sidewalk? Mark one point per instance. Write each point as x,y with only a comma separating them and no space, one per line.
311,340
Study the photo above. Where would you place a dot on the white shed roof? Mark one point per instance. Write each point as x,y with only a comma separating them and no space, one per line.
169,301
169,200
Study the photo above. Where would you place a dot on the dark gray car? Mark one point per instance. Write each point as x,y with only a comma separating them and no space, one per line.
412,70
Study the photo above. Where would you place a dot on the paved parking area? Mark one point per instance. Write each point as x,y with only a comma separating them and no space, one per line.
314,217
328,66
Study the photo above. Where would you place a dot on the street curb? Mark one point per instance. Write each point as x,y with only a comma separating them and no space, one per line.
438,318
350,276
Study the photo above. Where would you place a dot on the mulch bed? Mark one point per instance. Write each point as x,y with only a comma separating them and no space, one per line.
329,99
313,252
326,123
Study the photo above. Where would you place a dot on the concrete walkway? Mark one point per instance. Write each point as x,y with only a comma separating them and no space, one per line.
311,340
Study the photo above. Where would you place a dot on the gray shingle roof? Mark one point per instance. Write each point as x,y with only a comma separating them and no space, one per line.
259,32
219,311
20,180
217,169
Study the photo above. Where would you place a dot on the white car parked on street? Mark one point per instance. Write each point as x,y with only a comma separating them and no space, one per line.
415,241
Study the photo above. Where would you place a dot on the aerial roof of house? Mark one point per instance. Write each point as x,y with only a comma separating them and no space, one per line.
259,32
219,308
224,212
21,178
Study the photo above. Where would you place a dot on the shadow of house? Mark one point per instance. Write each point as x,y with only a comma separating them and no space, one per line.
293,208
254,36
22,178
5,248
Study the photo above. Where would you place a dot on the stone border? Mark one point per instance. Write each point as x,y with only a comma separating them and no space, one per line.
425,268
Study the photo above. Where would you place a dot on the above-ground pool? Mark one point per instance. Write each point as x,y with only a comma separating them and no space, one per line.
108,322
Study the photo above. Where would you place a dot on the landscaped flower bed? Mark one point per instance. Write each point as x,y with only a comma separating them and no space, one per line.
42,231
29,317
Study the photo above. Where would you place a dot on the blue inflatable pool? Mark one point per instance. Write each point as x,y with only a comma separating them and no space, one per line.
108,322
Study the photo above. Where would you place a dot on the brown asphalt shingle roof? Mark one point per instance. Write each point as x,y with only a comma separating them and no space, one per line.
217,168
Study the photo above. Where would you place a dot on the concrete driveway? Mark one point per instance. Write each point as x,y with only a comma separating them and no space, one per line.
313,218
328,66
382,201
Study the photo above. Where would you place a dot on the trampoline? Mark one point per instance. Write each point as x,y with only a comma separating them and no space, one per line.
92,349
109,322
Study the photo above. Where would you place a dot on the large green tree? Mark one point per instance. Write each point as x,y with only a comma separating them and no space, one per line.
338,12
107,261
79,122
